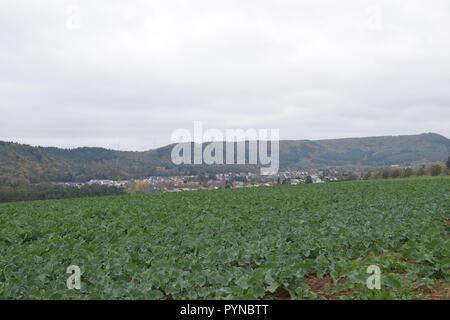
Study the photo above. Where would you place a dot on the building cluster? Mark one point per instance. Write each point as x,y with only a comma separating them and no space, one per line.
215,181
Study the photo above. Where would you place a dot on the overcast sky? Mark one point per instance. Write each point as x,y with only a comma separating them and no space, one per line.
126,74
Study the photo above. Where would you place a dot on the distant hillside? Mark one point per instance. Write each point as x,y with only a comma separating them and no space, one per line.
372,151
25,163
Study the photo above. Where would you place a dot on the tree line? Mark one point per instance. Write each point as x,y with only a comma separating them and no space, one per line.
436,169
29,192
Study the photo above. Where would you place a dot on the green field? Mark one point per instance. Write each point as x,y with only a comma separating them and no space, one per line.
298,242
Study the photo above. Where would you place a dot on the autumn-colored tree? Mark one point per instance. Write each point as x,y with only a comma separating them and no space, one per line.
408,172
436,169
421,172
140,187
395,173
374,175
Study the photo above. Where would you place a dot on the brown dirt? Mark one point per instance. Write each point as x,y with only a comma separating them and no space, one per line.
279,295
317,285
282,297
323,287
440,292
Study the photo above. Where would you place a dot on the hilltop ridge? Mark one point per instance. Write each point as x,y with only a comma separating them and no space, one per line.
32,164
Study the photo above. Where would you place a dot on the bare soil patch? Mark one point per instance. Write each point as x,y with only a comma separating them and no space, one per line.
440,292
323,287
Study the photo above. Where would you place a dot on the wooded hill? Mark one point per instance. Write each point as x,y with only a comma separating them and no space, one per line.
27,164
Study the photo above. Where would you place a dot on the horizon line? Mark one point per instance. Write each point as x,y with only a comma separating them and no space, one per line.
170,144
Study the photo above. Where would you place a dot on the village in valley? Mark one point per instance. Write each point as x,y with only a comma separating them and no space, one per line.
217,181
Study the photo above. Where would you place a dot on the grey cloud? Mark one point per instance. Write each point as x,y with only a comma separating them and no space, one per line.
134,72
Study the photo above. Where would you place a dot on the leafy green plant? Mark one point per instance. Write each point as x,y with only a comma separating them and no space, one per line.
252,243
